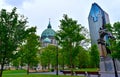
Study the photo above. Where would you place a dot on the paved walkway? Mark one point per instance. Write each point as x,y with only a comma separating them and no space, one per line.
109,74
103,74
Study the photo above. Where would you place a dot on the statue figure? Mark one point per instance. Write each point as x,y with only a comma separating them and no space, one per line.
106,62
102,33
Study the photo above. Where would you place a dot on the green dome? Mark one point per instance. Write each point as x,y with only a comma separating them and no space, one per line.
49,32
47,40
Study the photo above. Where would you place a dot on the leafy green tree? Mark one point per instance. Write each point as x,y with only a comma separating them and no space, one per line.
48,56
69,37
18,58
86,42
83,58
53,50
16,63
13,31
116,30
30,50
44,59
114,43
63,58
94,56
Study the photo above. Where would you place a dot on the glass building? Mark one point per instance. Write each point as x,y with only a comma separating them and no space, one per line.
97,18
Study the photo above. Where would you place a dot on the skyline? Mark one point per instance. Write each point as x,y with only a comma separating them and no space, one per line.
39,12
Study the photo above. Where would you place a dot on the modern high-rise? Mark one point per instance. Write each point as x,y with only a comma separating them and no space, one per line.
97,18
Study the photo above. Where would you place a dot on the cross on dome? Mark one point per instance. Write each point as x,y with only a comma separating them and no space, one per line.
49,25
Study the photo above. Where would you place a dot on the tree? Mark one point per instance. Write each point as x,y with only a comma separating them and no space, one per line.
30,50
16,63
83,58
69,37
114,43
13,31
44,59
86,42
48,56
63,58
94,56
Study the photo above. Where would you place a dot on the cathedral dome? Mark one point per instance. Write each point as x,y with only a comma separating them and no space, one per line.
49,32
47,40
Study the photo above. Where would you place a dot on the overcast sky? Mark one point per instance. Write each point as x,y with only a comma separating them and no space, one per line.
39,11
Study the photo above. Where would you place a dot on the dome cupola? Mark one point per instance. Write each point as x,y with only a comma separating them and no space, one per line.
49,32
47,40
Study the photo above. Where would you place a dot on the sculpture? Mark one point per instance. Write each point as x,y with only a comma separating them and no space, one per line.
106,62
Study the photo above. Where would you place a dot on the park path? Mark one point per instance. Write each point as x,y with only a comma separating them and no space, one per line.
60,73
102,74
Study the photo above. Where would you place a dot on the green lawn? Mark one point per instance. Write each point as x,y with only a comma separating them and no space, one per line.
89,69
13,71
85,69
39,75
22,73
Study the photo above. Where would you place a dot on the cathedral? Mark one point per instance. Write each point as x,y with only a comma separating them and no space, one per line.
48,36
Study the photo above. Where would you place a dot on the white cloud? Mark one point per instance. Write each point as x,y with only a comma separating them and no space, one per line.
39,11
43,10
3,5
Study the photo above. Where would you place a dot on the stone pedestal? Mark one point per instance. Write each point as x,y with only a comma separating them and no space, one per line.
106,64
117,64
101,47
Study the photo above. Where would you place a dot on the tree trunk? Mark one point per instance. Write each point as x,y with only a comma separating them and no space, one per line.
63,63
71,60
48,66
28,69
71,65
1,72
9,66
63,66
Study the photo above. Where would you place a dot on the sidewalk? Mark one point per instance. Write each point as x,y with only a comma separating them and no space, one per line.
109,74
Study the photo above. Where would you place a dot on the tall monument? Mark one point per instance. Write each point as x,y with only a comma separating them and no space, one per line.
97,19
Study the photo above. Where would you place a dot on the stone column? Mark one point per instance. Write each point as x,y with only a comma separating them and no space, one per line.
106,63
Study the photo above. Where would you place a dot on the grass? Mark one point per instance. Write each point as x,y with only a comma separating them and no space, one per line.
85,69
89,69
22,73
39,75
14,71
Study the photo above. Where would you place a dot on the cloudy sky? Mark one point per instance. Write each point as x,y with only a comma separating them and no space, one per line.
39,11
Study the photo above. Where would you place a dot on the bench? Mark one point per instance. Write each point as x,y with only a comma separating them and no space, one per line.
67,72
93,73
80,72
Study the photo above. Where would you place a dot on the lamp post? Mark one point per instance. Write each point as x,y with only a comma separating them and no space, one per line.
57,59
116,75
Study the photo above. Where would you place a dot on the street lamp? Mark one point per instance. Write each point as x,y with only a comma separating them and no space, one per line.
57,58
116,75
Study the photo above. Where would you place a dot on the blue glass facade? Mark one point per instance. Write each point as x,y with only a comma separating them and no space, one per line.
95,11
97,19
